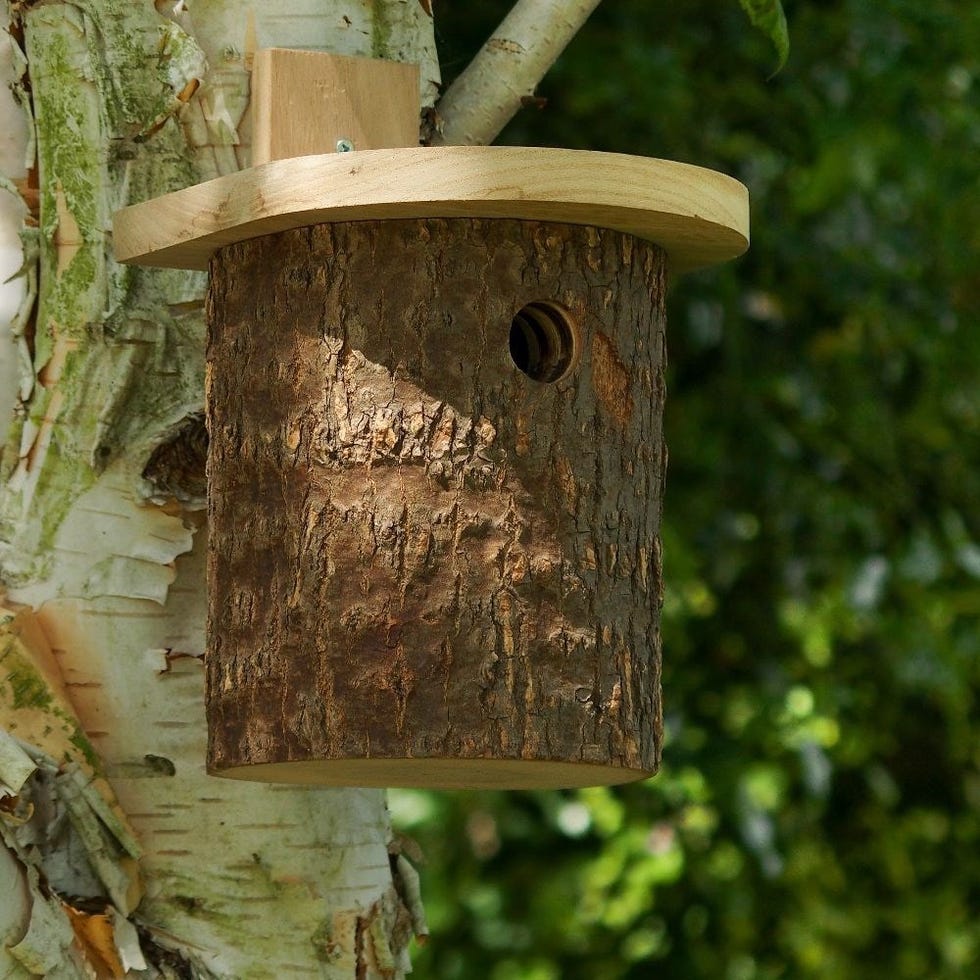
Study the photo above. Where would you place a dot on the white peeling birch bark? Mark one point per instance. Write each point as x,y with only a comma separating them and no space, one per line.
102,592
13,166
486,96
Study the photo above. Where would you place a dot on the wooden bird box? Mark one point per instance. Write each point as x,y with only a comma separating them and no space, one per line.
436,463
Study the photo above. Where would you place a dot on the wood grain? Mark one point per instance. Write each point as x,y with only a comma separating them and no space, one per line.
303,102
700,217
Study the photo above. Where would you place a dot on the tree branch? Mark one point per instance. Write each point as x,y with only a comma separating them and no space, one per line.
485,97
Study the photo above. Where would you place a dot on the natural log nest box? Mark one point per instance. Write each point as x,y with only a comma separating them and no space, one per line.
436,462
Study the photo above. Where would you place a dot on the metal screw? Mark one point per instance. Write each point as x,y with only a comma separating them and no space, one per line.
344,146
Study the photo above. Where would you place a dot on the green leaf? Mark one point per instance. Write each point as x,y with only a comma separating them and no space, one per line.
768,17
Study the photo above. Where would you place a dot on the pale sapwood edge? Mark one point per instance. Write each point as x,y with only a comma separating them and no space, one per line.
489,92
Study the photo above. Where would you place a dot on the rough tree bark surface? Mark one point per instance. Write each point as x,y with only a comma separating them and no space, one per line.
419,553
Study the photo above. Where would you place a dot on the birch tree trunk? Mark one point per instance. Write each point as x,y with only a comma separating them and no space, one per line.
120,854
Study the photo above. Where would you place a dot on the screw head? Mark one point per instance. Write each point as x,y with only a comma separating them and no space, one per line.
344,145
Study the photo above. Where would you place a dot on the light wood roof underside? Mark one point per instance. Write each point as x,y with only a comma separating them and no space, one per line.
699,216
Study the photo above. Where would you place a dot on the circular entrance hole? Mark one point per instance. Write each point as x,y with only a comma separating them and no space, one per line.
542,341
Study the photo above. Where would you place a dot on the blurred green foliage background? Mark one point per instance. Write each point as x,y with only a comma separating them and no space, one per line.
818,812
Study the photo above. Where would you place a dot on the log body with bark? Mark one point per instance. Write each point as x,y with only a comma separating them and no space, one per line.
427,568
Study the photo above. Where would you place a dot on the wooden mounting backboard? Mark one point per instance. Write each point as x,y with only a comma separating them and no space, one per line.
304,102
